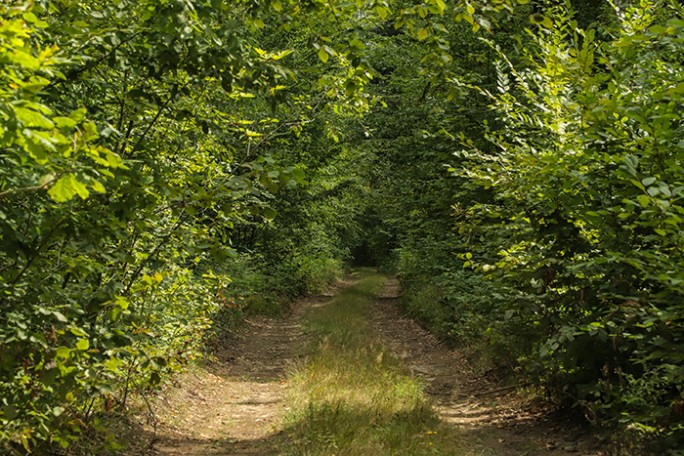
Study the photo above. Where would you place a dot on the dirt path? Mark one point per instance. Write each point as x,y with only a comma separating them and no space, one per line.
236,406
494,420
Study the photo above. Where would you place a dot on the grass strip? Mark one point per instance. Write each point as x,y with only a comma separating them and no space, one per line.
352,397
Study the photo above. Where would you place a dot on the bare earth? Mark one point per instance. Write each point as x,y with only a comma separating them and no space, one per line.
236,405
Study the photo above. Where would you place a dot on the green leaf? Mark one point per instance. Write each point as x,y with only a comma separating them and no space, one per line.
115,313
9,412
155,378
357,43
63,190
78,332
34,119
97,186
65,123
382,12
60,316
643,200
78,115
299,175
63,352
83,344
270,213
441,6
24,59
81,188
323,54
541,20
113,159
67,187
29,17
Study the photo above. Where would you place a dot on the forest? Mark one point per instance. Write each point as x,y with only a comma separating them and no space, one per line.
169,167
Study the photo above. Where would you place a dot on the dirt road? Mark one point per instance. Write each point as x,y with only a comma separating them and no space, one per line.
236,406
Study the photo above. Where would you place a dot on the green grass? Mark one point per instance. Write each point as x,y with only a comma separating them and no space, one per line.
352,397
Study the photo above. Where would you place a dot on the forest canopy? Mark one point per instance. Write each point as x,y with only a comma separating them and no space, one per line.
169,166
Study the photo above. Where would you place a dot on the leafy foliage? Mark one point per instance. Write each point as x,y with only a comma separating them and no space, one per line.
166,164
585,211
564,193
133,142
